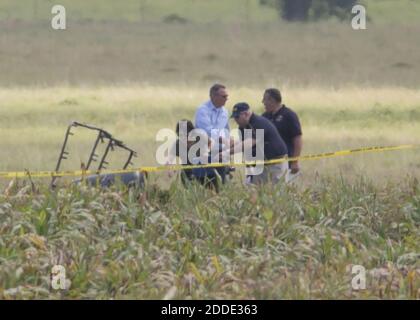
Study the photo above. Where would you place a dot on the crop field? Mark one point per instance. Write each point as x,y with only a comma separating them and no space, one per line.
135,69
192,244
290,242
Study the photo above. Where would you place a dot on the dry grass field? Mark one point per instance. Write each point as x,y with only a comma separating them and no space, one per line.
136,66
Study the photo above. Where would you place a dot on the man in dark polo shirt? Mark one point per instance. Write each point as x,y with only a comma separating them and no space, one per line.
273,146
287,123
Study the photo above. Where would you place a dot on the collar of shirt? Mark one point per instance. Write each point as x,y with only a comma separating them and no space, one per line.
278,111
212,107
251,120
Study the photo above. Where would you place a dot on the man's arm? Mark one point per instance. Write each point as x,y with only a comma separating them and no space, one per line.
203,121
226,120
296,132
241,145
221,126
297,149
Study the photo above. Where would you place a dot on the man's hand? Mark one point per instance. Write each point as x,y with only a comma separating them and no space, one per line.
294,167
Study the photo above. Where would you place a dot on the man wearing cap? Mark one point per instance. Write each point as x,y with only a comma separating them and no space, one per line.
287,123
272,145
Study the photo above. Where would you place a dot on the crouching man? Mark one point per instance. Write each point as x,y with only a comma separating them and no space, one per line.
192,147
261,136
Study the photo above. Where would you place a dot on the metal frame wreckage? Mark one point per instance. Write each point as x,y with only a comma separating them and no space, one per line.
134,178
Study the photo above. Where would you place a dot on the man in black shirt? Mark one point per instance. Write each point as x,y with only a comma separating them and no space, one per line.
272,145
287,123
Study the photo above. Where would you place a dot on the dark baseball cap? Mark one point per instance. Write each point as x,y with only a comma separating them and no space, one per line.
238,108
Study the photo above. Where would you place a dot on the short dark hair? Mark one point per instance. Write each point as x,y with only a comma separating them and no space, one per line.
190,126
214,88
275,94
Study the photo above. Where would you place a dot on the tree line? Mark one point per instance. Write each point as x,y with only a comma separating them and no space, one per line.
311,10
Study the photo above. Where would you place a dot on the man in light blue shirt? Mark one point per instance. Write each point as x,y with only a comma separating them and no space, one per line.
213,118
212,115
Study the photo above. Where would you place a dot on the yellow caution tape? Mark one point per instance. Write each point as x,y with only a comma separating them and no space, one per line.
82,173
